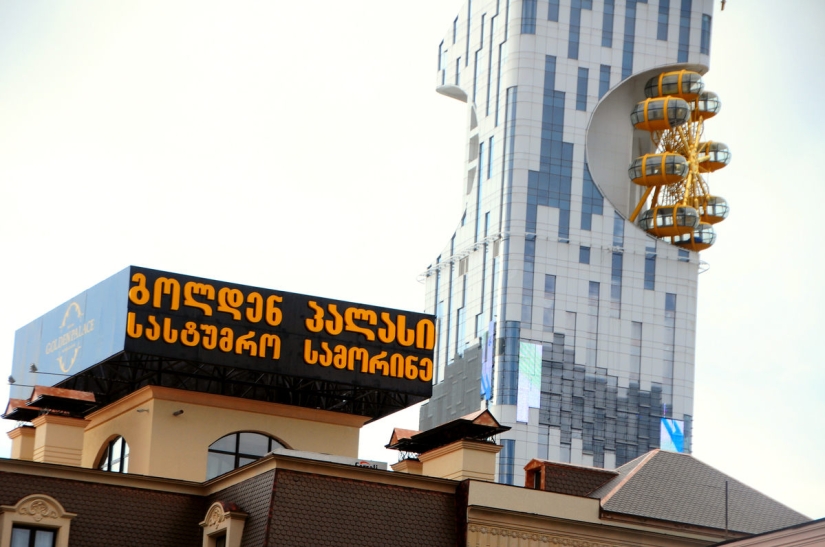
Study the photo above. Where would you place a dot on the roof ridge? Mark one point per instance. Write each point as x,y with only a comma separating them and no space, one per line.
645,458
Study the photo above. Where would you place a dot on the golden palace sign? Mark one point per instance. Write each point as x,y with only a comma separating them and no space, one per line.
195,319
178,317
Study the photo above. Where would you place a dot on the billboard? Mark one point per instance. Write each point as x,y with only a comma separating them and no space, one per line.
672,435
529,380
181,317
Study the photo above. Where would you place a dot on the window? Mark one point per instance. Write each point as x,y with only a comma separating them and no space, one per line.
116,456
223,525
581,89
25,536
236,450
704,43
37,520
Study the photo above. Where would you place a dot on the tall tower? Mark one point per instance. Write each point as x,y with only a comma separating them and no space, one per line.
574,325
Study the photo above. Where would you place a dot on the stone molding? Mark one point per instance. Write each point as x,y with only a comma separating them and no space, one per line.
37,510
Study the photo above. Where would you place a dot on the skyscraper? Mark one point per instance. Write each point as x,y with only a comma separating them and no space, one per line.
574,325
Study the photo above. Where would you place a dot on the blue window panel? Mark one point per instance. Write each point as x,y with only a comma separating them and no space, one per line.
664,19
629,37
650,268
550,186
670,306
704,44
507,461
581,89
553,11
616,277
458,71
455,29
490,159
575,26
584,255
441,53
604,80
469,19
475,76
528,16
684,255
507,387
607,23
618,230
490,63
684,31
480,189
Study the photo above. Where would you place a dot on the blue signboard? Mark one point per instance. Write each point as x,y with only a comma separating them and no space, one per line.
74,336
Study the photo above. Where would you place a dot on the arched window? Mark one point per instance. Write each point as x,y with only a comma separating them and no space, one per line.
236,450
116,456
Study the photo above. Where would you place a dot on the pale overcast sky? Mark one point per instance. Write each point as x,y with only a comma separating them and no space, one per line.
301,146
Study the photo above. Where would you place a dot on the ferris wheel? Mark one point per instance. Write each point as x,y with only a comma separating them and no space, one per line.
681,208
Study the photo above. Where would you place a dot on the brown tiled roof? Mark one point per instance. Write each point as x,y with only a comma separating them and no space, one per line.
253,497
320,510
115,516
679,488
564,478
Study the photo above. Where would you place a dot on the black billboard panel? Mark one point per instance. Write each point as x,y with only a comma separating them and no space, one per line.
189,318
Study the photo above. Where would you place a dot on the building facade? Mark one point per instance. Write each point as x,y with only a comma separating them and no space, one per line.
574,326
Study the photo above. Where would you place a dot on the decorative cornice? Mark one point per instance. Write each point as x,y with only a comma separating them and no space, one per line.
59,420
464,444
549,539
38,507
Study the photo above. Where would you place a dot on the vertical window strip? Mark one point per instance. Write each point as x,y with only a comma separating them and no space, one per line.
479,190
506,461
527,282
704,44
584,255
581,89
469,20
449,310
618,230
604,80
548,319
458,71
490,160
475,75
684,31
670,354
635,351
439,311
461,321
650,267
616,285
592,199
553,11
607,23
455,29
664,20
528,16
592,334
502,55
629,37
490,62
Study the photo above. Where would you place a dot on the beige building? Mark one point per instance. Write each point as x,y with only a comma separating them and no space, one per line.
171,467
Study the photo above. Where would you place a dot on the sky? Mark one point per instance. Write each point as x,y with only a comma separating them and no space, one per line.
302,147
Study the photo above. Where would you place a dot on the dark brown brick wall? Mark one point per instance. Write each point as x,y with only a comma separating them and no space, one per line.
252,497
319,511
113,516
